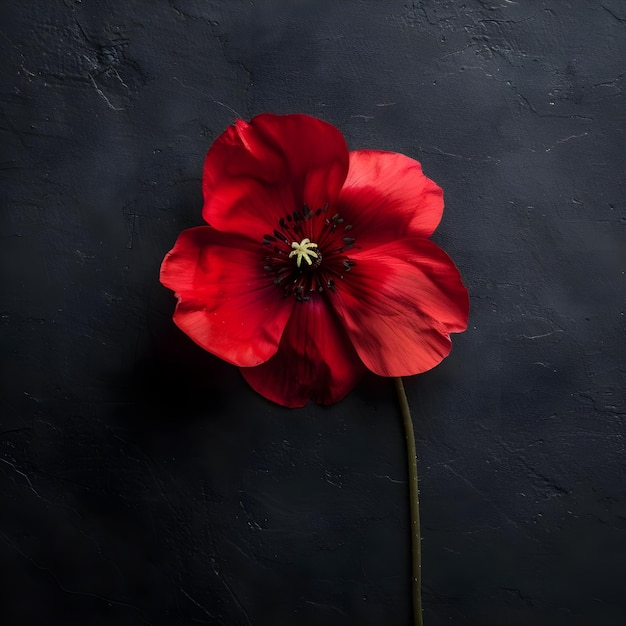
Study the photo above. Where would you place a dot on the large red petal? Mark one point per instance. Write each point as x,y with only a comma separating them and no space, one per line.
399,303
226,302
315,360
386,196
257,172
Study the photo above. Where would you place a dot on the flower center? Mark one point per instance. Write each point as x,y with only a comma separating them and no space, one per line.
318,245
304,250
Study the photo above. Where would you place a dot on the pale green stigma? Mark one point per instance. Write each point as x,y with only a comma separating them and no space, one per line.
304,250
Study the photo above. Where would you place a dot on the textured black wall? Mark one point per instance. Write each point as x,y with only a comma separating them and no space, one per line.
143,482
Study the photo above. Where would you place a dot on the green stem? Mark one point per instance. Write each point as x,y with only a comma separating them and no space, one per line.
416,550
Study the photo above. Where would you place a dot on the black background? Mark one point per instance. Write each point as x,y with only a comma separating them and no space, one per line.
143,482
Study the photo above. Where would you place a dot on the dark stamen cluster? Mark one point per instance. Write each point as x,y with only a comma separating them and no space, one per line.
331,264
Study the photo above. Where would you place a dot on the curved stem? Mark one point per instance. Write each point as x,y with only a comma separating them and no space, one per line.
416,550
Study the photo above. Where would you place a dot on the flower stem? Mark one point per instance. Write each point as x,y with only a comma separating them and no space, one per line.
416,550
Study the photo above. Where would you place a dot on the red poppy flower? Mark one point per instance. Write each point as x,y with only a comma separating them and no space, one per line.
317,263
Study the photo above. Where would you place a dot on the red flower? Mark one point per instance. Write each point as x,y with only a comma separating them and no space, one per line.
317,262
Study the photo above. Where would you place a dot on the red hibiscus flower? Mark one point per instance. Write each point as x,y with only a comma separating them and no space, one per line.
317,263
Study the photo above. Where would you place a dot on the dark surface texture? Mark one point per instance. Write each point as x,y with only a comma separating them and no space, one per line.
143,482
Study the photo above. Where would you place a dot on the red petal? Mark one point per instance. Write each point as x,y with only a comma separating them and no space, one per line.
398,305
257,172
386,196
226,302
315,360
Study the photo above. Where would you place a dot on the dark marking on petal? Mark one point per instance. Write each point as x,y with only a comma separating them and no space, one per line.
280,236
